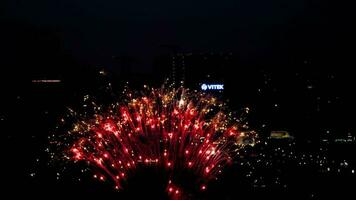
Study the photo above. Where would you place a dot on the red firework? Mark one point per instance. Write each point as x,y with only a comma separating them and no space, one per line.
173,129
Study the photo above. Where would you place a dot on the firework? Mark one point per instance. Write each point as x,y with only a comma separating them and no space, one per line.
166,128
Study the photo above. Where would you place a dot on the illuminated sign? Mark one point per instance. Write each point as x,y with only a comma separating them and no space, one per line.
46,81
212,87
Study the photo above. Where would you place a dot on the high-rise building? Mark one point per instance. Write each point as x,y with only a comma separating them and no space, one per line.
194,69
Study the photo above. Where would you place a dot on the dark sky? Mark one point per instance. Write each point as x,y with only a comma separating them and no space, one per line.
93,31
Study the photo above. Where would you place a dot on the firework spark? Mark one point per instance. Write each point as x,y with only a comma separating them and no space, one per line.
171,129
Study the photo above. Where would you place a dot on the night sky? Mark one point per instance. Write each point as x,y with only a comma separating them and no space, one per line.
93,31
293,67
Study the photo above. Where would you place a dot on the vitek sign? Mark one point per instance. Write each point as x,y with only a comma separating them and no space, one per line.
212,86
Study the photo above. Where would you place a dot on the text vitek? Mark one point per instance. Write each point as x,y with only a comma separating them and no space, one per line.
212,86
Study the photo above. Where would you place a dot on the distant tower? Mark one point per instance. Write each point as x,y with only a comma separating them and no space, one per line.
178,69
177,73
123,63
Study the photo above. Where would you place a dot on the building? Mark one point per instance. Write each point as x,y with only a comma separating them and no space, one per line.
195,69
280,135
